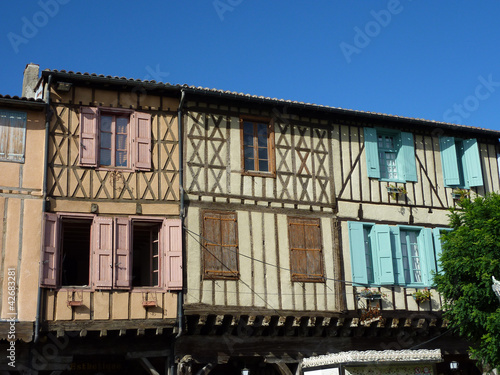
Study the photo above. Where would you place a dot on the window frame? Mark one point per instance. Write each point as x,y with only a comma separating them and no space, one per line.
386,251
307,277
216,274
270,146
21,116
139,139
170,253
114,133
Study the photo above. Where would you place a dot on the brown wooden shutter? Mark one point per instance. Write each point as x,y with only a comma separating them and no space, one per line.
88,136
220,251
142,141
306,260
50,256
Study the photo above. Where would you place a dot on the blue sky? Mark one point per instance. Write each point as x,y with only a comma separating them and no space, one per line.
437,60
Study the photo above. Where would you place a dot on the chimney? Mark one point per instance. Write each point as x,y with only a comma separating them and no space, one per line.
30,80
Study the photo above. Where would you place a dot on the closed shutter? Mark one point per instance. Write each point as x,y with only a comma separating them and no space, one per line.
371,152
50,256
409,161
472,163
142,141
449,161
382,242
358,253
305,249
102,254
172,250
12,135
88,136
123,256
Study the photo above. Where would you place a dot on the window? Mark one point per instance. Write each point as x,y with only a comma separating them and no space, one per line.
111,253
115,138
393,255
461,162
306,258
220,247
12,135
257,140
390,155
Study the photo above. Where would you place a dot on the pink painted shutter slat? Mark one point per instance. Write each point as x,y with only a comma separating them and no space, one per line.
102,254
172,250
88,136
142,141
122,265
50,257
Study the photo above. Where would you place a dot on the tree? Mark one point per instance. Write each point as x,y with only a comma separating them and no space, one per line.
471,255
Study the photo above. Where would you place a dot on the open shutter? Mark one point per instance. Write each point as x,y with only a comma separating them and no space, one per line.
123,256
371,152
102,254
472,162
142,141
399,273
358,253
88,136
408,152
172,250
382,240
449,161
427,253
50,256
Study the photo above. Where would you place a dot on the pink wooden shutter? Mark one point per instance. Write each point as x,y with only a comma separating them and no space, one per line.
142,141
123,266
88,136
50,256
172,250
102,254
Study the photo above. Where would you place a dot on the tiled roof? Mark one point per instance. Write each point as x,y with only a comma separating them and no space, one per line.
22,99
263,99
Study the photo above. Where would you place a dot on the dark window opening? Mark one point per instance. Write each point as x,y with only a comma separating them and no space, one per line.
146,256
75,249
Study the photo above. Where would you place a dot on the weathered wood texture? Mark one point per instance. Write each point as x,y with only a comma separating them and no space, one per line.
264,266
67,179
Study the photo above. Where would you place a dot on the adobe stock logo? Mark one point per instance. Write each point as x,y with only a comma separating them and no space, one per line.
471,103
30,27
364,36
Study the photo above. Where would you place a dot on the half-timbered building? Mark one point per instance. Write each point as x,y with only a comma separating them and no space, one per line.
313,230
110,252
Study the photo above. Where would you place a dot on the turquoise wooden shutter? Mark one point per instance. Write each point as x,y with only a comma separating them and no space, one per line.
357,250
427,259
408,152
382,242
399,274
449,161
438,249
371,152
472,163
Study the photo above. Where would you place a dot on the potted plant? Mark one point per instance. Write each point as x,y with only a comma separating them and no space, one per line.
371,294
422,295
394,191
458,193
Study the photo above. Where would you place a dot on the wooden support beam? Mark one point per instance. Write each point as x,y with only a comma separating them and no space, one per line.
83,333
354,322
326,322
148,366
219,319
122,332
281,321
395,323
141,332
103,333
408,323
266,321
421,323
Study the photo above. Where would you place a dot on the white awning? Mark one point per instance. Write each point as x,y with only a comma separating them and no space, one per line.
359,357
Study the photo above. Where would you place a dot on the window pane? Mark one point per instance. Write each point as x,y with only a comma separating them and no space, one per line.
262,140
248,128
263,154
121,158
106,123
105,157
263,166
121,142
248,139
105,140
121,124
248,152
262,130
249,164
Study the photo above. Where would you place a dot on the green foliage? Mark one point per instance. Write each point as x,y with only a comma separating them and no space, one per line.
471,255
